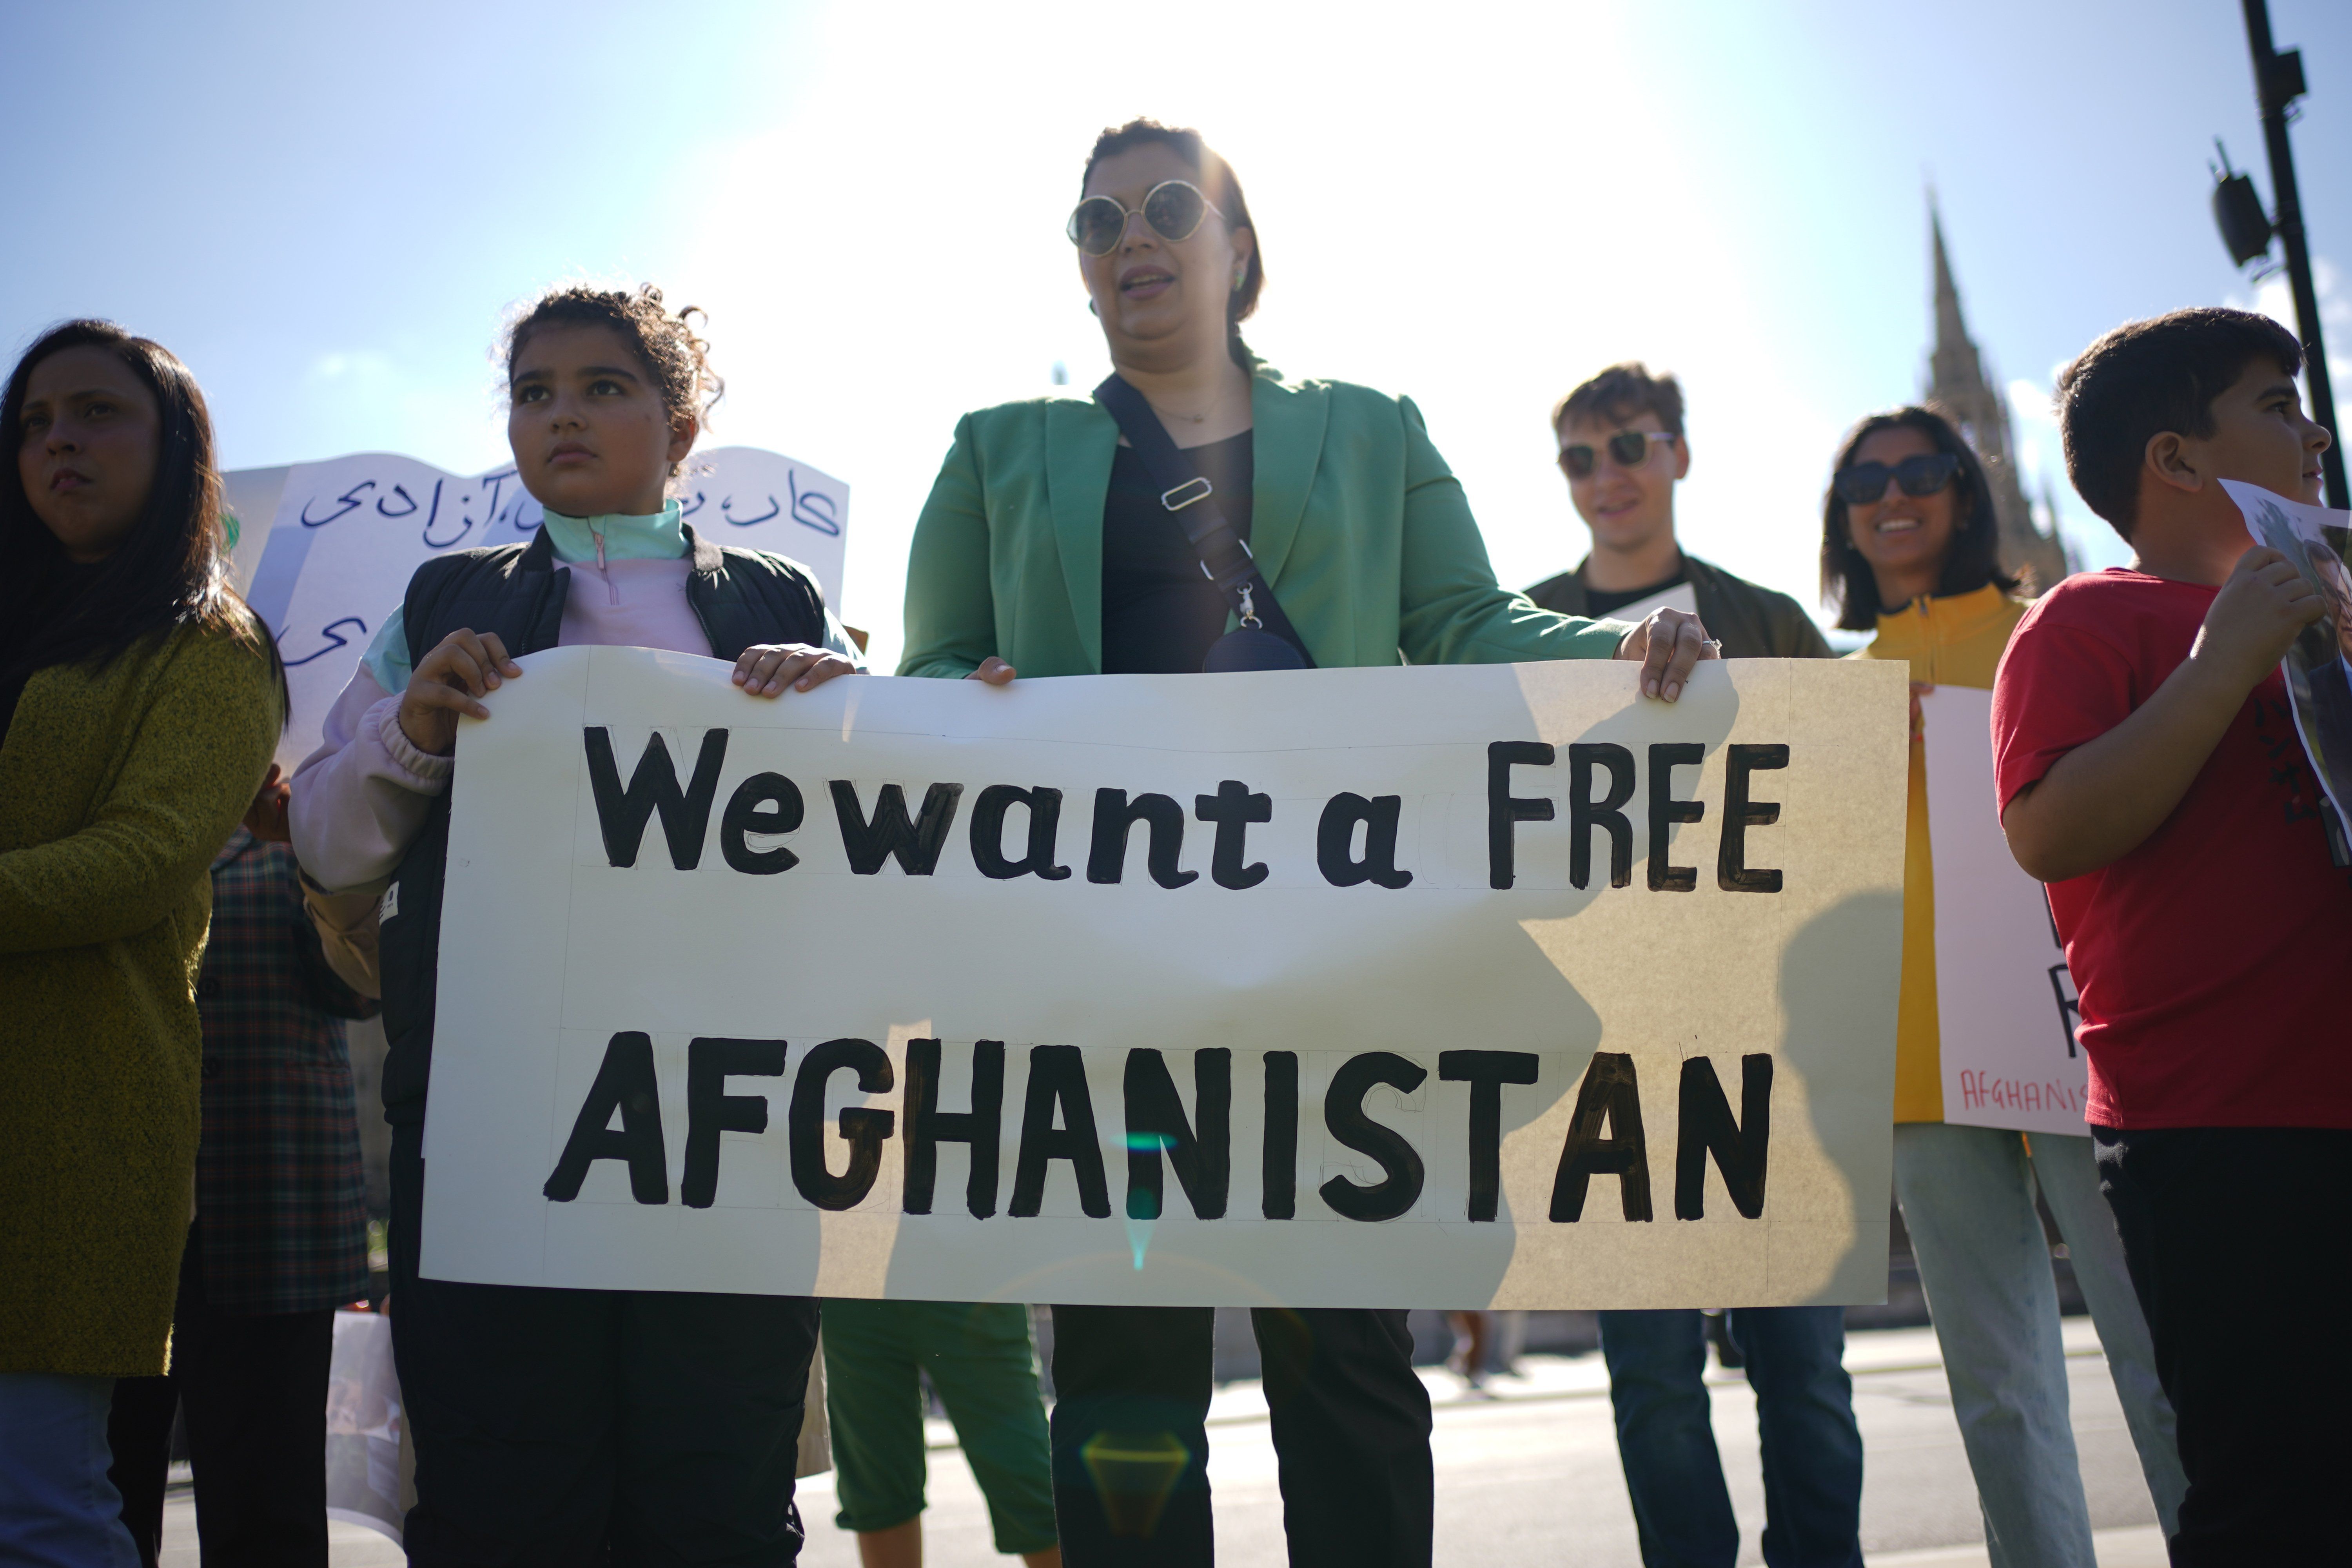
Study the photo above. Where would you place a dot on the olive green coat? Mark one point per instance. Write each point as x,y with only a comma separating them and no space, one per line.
1360,527
116,791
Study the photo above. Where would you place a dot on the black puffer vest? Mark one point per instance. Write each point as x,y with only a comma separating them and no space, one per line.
739,596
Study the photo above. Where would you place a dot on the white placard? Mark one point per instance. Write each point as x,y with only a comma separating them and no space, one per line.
2005,1002
1319,910
349,532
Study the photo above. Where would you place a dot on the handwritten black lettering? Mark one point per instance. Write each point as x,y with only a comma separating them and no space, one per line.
1114,815
765,804
1044,811
927,1126
863,1128
1665,810
710,1109
1705,1127
1604,1139
1504,810
1344,1115
1203,1153
624,1082
623,815
1334,841
1732,872
915,845
1486,1072
1057,1082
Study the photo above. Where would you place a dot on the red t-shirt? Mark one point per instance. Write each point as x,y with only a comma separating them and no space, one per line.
2214,961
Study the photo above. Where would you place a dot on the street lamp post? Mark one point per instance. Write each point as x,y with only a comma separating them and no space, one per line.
2278,82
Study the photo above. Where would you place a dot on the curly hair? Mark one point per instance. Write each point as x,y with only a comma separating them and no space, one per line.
676,362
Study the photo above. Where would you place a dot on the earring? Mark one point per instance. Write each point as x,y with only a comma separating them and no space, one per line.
1240,273
1092,309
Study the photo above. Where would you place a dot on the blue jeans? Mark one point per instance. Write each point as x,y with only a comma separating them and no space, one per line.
57,1510
1968,1201
1804,1414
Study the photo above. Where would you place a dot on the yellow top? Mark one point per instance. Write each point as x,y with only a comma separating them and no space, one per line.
1955,641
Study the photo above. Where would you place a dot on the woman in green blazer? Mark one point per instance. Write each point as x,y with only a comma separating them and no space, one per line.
1046,548
139,704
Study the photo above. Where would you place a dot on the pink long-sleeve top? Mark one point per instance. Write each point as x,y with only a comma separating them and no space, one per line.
362,797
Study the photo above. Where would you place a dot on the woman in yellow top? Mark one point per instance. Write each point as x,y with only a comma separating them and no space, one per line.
139,703
1908,543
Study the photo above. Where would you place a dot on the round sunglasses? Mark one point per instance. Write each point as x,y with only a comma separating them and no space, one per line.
1627,449
1173,209
1922,474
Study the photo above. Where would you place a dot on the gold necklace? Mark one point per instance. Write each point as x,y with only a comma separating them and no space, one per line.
1200,418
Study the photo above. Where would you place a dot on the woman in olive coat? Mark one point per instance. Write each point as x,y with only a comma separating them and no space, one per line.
139,705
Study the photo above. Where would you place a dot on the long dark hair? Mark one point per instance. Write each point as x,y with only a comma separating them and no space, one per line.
170,570
1224,187
1974,559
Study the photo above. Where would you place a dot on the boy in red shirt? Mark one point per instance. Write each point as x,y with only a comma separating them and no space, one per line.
2150,775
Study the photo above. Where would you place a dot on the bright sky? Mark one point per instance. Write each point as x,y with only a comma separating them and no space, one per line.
327,210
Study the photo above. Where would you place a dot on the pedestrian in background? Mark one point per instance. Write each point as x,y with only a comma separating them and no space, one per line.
280,1237
139,704
1910,550
980,1359
1624,451
1052,546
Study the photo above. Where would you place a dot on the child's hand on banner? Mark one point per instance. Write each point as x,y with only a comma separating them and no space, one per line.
461,667
766,669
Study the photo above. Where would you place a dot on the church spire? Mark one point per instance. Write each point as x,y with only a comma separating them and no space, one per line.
1950,328
1960,385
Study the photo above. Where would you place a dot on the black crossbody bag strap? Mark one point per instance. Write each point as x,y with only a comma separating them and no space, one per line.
1224,555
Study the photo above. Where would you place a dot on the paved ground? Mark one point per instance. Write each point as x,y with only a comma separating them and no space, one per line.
1532,1476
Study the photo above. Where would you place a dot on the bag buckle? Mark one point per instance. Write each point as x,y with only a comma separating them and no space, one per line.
1249,610
1206,489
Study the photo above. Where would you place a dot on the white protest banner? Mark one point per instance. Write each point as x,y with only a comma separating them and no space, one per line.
349,532
2004,1000
1433,986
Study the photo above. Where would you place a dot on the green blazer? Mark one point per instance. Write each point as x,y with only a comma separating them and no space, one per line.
1358,525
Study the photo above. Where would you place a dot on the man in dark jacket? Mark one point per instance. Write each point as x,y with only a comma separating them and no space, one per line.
1623,449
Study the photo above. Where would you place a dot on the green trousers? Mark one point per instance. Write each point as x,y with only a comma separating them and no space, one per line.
980,1357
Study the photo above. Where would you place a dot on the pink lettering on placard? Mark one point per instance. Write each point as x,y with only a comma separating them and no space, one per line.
1980,1090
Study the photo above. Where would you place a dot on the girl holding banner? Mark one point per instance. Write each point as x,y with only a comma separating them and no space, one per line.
555,1425
1908,546
1204,513
139,703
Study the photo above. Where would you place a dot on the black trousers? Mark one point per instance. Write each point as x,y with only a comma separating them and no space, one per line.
1351,1426
568,1428
2239,1245
255,1392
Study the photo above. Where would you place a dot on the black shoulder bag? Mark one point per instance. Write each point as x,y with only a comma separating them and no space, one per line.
1265,639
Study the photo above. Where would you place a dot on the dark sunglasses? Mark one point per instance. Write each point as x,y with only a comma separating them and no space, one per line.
1627,449
1173,209
1922,475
